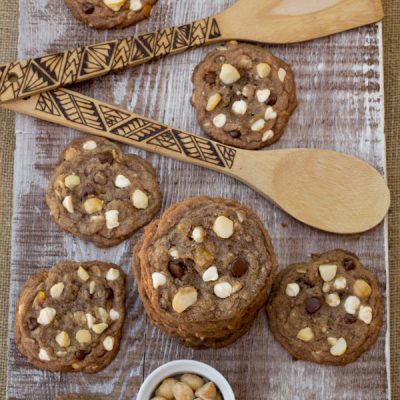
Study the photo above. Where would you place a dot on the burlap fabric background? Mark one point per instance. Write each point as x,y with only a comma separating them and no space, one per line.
8,43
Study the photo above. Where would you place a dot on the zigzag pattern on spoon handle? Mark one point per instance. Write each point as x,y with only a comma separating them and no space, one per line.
28,77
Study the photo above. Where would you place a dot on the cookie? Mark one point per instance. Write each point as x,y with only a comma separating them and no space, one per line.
76,397
100,194
328,311
107,14
70,318
204,270
244,96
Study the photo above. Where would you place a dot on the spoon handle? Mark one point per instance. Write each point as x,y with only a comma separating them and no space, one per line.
25,78
80,112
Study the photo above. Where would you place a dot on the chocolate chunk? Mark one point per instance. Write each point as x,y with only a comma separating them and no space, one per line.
100,178
81,354
88,190
350,319
272,99
239,267
210,77
235,134
32,324
106,157
88,8
348,264
313,304
177,269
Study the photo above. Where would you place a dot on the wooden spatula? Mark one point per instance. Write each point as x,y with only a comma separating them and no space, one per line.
271,21
325,189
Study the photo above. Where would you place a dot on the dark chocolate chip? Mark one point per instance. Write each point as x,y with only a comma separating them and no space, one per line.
81,354
88,190
348,264
88,8
100,178
313,304
106,157
210,78
177,269
350,319
32,324
239,267
272,99
235,134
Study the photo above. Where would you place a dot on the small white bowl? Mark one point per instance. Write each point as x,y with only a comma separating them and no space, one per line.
178,367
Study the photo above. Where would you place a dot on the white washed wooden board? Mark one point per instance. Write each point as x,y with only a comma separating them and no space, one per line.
340,107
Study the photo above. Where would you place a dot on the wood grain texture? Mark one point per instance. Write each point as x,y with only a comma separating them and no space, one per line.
340,108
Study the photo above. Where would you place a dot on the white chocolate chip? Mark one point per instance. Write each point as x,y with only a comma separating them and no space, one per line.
223,289
82,273
90,320
121,181
46,316
339,348
229,74
326,287
270,114
267,135
99,328
352,304
173,252
240,216
140,199
112,274
112,219
158,279
223,227
239,107
184,298
258,125
292,289
340,283
362,289
114,315
136,5
365,314
68,204
210,274
89,145
61,353
198,234
263,95
219,121
114,5
72,181
56,290
43,355
83,336
63,339
281,74
108,343
331,341
305,334
92,287
332,299
213,101
93,205
103,313
327,271
263,70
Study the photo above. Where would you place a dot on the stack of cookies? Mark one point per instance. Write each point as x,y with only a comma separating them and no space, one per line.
204,270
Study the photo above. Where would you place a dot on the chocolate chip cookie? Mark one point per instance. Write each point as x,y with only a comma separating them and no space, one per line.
107,14
204,270
70,318
328,311
244,96
100,194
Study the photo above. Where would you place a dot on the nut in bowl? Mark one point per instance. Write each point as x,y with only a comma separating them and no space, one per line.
185,380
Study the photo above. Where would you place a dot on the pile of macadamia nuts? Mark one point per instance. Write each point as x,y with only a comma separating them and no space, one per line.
187,387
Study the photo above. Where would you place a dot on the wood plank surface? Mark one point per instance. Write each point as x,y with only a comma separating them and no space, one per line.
339,81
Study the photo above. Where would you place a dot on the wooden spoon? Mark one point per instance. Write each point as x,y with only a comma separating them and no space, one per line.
272,21
327,190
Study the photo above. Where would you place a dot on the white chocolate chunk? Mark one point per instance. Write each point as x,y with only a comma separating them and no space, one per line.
46,316
292,289
114,315
327,271
89,145
194,381
362,289
326,287
92,287
239,107
112,274
352,304
136,5
332,299
263,95
229,74
90,320
63,339
305,334
108,343
121,181
267,135
331,341
173,252
43,355
219,121
93,205
340,283
140,200
281,74
207,391
184,298
56,290
223,227
365,314
270,113
258,125
103,313
114,5
72,181
158,279
223,290
82,273
240,216
165,389
99,328
83,336
210,274
198,234
112,219
213,101
339,348
182,391
68,204
263,70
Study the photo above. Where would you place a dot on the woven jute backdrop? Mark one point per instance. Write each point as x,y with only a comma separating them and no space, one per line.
8,44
